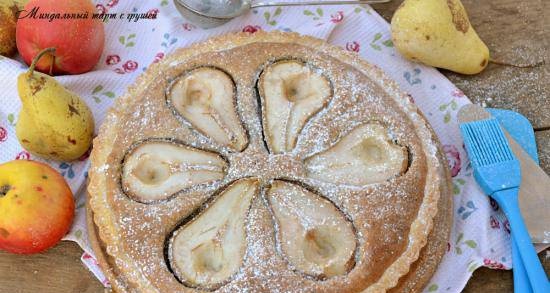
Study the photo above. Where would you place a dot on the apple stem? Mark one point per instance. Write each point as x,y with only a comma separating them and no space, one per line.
37,57
504,63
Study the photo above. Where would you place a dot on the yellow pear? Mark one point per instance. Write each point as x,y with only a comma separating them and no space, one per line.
438,33
54,123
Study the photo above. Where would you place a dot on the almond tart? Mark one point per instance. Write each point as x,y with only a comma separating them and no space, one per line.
267,162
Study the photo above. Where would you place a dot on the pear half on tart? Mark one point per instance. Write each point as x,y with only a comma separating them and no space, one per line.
205,97
155,170
291,93
313,235
364,156
207,251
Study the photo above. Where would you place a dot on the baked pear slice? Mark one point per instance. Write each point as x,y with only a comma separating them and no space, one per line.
364,156
207,251
291,93
205,97
155,170
315,237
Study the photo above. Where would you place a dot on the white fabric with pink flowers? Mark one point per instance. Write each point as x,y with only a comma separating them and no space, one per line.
480,235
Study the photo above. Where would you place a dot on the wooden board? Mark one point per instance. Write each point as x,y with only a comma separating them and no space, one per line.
543,144
516,31
58,270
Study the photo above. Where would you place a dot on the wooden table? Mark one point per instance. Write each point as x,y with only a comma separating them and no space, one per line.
515,31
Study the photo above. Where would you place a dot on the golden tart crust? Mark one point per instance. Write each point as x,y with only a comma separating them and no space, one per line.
397,243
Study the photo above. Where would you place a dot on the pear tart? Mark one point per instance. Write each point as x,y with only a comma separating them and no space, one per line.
267,162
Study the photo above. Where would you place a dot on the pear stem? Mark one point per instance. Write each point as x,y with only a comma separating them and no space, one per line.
37,57
504,63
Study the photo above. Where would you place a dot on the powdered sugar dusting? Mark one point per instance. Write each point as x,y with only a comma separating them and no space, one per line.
381,213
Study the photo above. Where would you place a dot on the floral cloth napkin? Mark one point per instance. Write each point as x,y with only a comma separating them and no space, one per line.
480,234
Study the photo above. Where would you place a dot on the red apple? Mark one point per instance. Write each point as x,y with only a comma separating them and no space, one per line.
36,207
78,42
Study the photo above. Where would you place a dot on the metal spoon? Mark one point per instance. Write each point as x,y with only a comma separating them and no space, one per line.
212,13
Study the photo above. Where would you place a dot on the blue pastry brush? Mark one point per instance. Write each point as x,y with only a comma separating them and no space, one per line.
498,173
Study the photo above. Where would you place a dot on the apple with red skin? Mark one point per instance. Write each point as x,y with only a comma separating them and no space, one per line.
36,207
78,43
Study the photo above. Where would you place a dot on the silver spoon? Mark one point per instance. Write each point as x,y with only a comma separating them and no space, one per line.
212,13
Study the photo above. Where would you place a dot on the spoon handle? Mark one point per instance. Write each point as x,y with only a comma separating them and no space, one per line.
304,3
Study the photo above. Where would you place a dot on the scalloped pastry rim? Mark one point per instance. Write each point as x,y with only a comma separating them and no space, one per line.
103,144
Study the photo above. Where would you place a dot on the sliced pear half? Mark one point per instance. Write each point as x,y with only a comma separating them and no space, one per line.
156,170
314,235
365,155
205,97
210,249
291,93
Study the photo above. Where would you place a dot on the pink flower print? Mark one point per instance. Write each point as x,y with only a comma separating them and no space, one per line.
251,29
337,17
153,12
158,57
506,226
112,59
3,134
353,46
112,3
453,158
23,155
188,26
130,66
87,256
457,93
101,9
495,224
493,264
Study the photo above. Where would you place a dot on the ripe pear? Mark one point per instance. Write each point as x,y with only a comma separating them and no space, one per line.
438,33
54,123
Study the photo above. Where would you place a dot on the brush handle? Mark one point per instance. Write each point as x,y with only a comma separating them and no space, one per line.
521,280
508,200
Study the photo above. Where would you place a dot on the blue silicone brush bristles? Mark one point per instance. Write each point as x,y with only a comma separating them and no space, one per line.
487,142
495,166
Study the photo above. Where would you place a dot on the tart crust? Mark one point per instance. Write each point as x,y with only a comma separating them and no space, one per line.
403,208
